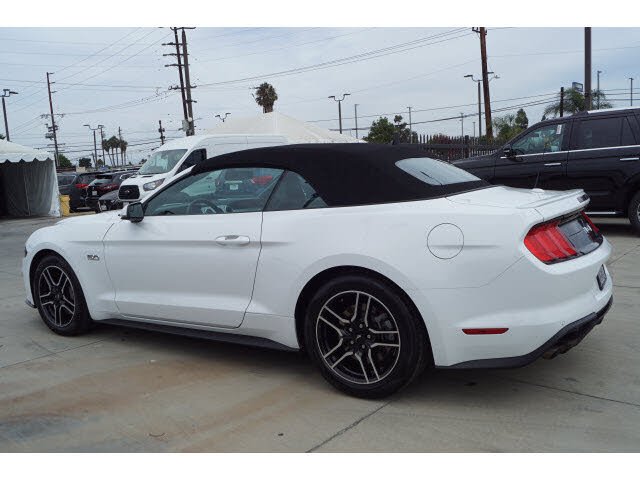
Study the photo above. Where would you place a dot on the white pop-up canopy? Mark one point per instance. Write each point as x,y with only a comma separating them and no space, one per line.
28,182
276,123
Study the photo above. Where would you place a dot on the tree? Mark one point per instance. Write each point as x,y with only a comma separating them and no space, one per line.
63,161
510,125
574,102
382,131
84,162
122,144
1,137
265,96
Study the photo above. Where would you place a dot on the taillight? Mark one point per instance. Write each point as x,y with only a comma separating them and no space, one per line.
595,229
108,187
262,179
548,243
82,185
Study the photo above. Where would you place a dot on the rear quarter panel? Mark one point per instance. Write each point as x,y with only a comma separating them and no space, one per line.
389,239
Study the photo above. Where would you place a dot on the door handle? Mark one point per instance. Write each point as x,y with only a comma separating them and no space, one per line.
554,164
233,240
630,159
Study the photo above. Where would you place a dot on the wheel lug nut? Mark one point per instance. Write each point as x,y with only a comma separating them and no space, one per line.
350,329
360,326
368,336
363,347
352,342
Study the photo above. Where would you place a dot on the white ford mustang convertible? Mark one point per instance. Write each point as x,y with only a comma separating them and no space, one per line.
374,259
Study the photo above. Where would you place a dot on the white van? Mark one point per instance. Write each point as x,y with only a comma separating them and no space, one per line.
178,155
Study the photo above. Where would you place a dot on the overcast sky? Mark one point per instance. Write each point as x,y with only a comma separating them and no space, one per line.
116,76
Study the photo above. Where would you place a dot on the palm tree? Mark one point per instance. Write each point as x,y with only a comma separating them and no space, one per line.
574,102
106,146
123,149
265,96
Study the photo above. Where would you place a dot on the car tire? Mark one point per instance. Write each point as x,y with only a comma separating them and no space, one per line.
349,345
59,298
634,212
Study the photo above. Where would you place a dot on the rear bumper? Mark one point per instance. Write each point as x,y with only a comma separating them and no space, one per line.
561,342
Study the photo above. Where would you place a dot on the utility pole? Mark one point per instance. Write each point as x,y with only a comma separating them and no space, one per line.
355,107
161,130
474,129
95,146
104,160
53,122
482,31
192,128
344,95
462,124
631,90
6,93
223,118
587,68
561,102
121,152
410,127
598,89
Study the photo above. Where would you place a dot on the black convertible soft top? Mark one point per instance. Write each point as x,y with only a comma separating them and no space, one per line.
344,174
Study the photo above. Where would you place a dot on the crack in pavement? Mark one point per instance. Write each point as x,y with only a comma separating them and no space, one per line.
347,428
549,387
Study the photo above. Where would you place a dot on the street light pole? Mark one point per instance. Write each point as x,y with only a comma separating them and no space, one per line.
410,127
344,95
598,89
6,93
479,81
355,107
462,123
95,145
631,90
223,118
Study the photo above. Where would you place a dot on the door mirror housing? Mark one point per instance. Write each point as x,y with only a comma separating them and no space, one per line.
508,151
134,212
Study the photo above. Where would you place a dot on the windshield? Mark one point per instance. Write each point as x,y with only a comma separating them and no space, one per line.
435,172
161,162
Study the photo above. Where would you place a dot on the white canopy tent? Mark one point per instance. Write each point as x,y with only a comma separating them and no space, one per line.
28,182
276,123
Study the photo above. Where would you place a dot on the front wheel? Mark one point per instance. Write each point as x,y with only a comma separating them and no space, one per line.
634,212
364,337
59,298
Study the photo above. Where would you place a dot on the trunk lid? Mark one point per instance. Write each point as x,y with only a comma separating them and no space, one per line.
548,203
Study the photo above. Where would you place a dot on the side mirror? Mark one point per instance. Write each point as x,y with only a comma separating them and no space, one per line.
134,212
508,152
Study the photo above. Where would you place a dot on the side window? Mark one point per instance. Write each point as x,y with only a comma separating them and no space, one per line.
544,139
209,193
194,157
627,134
294,193
600,133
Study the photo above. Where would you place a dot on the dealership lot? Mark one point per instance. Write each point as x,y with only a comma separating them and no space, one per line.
120,389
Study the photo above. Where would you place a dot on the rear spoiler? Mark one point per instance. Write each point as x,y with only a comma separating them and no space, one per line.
561,204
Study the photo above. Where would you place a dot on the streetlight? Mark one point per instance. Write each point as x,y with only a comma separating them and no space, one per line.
95,147
344,95
630,90
480,99
7,93
598,89
223,118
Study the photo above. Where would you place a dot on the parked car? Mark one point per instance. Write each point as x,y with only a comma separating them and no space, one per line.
104,183
178,155
374,261
598,151
75,184
110,201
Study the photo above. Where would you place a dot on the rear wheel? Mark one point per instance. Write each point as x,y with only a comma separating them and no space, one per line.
364,337
59,298
634,212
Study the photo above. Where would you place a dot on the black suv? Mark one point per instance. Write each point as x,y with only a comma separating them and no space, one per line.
75,185
598,151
